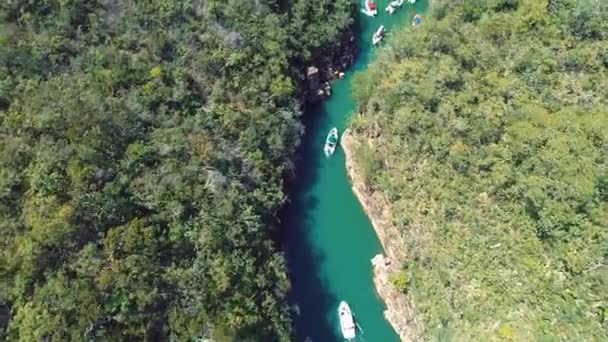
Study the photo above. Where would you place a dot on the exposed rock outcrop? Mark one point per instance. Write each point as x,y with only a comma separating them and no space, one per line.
328,65
312,75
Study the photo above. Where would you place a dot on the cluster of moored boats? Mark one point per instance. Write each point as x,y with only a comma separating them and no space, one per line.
370,8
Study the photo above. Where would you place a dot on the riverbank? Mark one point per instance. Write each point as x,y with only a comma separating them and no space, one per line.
328,238
400,308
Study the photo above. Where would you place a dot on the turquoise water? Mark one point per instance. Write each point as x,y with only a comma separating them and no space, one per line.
330,240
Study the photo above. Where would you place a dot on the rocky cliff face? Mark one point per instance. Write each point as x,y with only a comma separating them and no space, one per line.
400,309
329,65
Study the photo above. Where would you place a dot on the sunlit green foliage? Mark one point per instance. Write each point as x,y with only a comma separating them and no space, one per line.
491,124
143,149
399,281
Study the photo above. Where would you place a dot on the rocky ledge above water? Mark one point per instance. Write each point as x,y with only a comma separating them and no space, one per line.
329,65
400,310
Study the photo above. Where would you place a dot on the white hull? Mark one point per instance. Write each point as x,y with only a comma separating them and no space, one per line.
378,35
368,11
347,323
330,147
396,4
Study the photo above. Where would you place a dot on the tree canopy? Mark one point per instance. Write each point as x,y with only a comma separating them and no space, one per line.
486,128
144,145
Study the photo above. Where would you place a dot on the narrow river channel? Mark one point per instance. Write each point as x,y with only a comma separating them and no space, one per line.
330,240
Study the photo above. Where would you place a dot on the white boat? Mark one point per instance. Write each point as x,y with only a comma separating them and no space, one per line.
331,142
390,9
397,3
378,35
393,5
369,8
347,323
417,20
412,1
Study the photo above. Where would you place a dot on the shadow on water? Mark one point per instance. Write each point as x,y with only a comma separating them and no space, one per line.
309,295
310,270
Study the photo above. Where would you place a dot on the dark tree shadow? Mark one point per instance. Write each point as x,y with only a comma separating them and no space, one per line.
309,296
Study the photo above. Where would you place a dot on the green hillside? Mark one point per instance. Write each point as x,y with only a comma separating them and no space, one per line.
486,128
143,147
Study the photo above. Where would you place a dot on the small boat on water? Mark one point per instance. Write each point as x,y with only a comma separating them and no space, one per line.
331,142
412,1
378,35
347,322
390,9
393,5
417,20
397,3
369,8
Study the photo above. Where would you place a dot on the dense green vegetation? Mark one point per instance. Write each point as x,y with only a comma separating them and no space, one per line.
488,132
144,145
